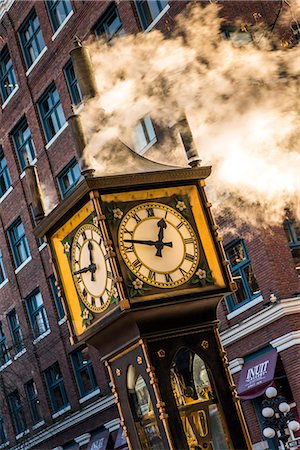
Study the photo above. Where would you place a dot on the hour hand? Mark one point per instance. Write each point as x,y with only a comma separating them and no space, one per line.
83,270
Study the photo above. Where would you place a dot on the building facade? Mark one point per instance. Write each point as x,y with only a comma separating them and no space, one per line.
55,394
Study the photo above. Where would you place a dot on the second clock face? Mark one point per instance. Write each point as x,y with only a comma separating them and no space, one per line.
158,245
92,278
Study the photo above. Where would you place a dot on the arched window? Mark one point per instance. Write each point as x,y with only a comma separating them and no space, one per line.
197,404
142,411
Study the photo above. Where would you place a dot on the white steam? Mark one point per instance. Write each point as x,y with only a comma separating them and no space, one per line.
242,103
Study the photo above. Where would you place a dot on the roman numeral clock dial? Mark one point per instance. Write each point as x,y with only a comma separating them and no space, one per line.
158,245
90,270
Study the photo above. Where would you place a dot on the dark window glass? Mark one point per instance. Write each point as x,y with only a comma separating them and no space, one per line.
15,331
18,242
7,74
84,372
4,352
5,181
57,299
2,270
292,230
17,412
149,9
33,401
58,11
23,144
242,274
31,37
110,24
37,314
73,85
56,388
3,436
68,178
40,241
51,112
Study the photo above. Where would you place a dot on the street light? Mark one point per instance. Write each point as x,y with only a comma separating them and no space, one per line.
277,418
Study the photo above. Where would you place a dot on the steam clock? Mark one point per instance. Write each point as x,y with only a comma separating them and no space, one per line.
141,270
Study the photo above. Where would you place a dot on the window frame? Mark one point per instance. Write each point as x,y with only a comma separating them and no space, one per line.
238,269
80,366
46,116
4,350
7,72
3,435
72,83
52,7
141,13
15,331
14,242
64,192
33,401
57,298
18,132
17,412
144,130
4,172
102,23
34,310
2,270
28,24
53,384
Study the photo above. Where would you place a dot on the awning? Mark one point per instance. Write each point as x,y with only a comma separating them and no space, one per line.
257,375
99,441
121,442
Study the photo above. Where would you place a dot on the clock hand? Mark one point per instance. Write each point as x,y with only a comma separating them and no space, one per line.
83,270
140,241
90,247
160,244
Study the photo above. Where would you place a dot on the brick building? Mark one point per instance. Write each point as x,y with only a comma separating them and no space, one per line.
53,394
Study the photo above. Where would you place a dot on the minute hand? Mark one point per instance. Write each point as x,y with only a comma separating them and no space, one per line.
140,241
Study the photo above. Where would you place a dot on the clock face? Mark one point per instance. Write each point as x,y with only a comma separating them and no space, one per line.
90,270
158,245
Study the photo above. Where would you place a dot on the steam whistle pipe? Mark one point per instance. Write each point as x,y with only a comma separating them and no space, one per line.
188,142
83,69
36,193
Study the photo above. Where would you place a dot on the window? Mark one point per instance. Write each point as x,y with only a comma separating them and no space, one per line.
33,401
5,181
57,298
23,144
144,135
3,437
37,314
2,270
56,388
292,230
149,9
15,331
110,24
16,412
4,352
31,37
18,242
73,85
58,11
239,37
84,372
40,240
68,178
7,74
243,275
51,111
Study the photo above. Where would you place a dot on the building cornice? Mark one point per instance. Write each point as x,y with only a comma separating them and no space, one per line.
286,341
260,319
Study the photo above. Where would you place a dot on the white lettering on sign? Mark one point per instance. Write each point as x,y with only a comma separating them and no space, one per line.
97,445
257,371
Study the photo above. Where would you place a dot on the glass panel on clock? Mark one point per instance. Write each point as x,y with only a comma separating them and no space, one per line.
143,412
197,403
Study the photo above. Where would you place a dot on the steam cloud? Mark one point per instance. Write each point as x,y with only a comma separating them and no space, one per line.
242,103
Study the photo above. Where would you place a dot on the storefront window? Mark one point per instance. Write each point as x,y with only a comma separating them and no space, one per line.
197,404
142,411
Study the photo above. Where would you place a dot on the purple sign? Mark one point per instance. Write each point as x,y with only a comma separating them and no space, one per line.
99,441
257,375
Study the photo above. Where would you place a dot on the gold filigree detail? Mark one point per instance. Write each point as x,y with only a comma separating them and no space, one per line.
139,360
204,344
118,372
161,353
